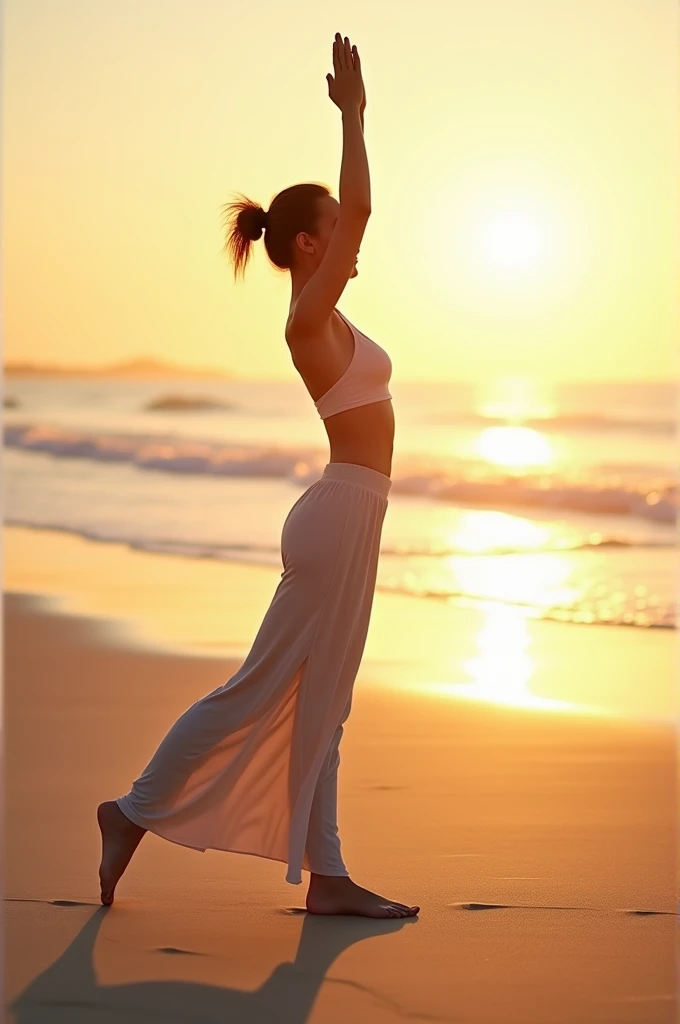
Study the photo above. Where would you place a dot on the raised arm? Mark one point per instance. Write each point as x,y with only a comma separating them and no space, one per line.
319,296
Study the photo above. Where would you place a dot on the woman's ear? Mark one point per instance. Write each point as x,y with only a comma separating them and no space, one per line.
304,242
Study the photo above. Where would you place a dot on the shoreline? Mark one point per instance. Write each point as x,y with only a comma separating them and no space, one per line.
205,608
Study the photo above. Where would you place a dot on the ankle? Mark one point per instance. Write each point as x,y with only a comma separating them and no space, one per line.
329,881
128,825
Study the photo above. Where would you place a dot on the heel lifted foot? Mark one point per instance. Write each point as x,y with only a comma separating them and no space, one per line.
120,839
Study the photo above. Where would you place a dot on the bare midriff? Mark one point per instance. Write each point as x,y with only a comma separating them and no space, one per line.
364,436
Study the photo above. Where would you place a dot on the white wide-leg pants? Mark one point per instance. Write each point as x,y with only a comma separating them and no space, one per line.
252,766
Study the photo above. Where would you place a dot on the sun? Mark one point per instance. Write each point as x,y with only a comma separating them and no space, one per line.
514,446
511,240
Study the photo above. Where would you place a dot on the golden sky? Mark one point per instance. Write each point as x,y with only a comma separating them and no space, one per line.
524,163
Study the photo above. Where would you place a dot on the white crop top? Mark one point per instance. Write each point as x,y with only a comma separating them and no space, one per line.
364,381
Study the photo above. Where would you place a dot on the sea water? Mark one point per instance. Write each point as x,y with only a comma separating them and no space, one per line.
565,509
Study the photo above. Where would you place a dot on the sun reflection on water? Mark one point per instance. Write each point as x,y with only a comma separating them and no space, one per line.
484,531
516,447
501,671
526,574
539,580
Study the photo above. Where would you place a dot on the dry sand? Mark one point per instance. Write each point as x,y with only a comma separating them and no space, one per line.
540,845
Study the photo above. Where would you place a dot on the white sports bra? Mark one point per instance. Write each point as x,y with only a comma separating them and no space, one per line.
364,381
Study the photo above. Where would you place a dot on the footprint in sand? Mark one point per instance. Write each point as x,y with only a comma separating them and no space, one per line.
533,906
174,949
54,903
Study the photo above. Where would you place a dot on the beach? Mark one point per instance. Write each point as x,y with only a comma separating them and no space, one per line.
191,353
535,827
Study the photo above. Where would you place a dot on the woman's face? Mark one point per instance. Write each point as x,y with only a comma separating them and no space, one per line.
328,211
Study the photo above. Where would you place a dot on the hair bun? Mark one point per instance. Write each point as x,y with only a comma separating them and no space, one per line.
259,223
252,220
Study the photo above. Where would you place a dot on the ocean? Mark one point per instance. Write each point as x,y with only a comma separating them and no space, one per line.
560,501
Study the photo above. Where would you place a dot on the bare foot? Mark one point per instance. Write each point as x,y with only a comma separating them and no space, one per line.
120,839
337,894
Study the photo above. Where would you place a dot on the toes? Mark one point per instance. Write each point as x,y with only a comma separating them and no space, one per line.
404,911
398,910
405,907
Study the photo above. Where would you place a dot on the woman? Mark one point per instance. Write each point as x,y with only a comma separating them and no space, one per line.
252,766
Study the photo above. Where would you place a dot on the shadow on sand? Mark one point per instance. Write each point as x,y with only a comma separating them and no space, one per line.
68,991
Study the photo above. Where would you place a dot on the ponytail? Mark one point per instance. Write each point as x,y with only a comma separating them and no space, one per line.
291,211
246,221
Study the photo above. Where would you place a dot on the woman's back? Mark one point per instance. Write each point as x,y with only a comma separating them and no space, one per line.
347,376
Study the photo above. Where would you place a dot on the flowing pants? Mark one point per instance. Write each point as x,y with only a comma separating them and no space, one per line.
252,766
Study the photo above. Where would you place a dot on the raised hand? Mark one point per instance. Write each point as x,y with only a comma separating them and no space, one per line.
346,89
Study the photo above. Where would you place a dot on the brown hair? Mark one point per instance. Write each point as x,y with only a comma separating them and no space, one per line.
291,211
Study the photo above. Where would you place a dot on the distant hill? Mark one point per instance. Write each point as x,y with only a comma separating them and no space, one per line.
139,368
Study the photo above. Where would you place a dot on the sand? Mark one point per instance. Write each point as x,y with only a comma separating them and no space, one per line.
537,837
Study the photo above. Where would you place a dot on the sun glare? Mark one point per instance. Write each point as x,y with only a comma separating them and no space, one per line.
511,241
514,446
